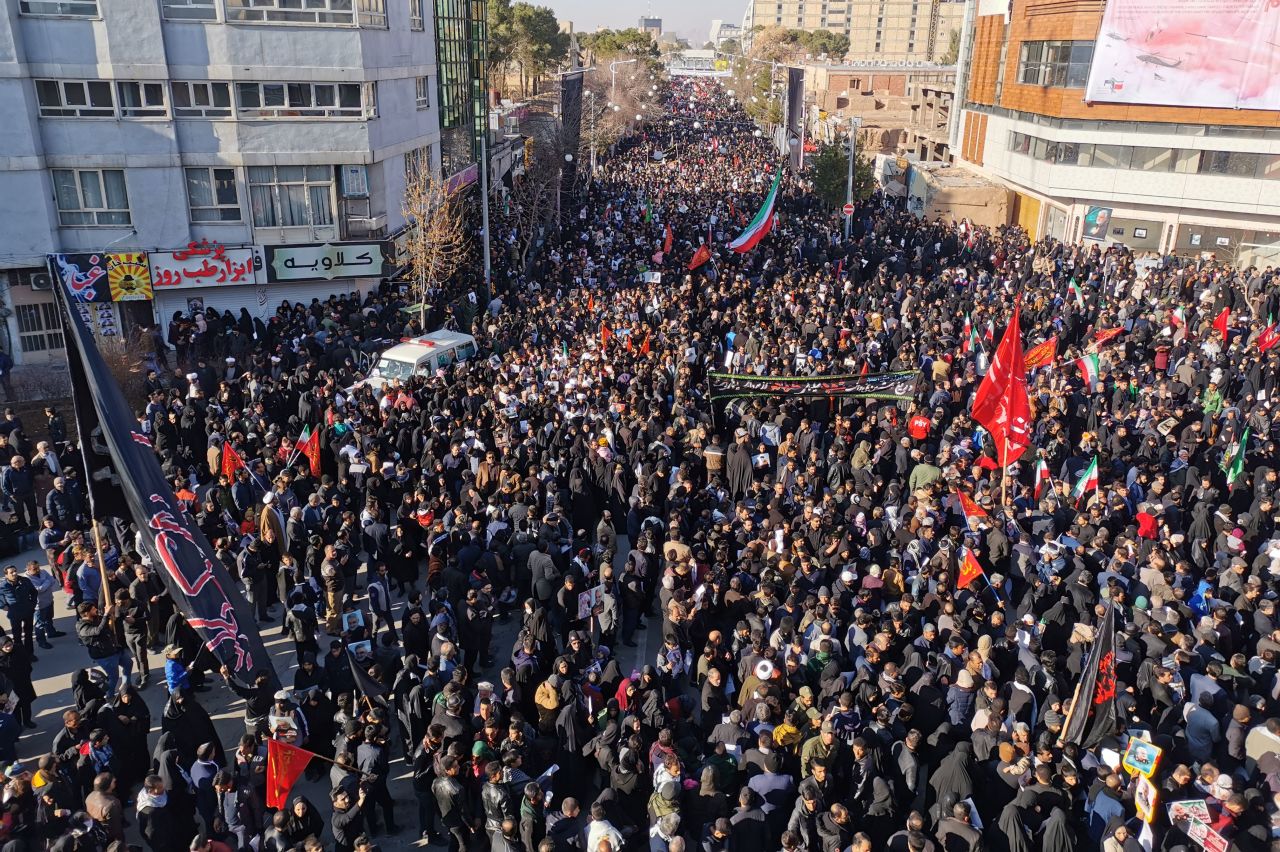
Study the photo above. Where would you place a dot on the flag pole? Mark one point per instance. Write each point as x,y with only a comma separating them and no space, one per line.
1004,474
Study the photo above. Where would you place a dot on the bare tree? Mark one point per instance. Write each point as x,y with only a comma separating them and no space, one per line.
535,195
438,242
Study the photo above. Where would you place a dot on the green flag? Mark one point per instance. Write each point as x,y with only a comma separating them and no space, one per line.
1235,466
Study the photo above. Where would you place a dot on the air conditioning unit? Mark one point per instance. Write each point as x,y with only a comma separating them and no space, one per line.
367,224
41,281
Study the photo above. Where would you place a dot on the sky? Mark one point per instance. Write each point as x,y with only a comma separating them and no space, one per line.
689,18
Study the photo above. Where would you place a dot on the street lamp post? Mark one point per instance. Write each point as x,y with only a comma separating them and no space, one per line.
854,124
613,76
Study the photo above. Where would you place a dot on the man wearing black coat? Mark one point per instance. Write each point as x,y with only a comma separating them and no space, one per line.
347,822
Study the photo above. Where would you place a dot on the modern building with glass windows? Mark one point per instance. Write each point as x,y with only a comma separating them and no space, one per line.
463,84
1137,155
265,128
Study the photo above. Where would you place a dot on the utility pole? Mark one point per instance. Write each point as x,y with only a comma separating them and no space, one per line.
484,210
613,74
854,123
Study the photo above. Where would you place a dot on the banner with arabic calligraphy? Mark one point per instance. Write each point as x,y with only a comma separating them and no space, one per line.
97,277
204,264
125,463
880,386
327,261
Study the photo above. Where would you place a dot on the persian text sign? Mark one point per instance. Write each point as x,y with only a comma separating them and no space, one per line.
202,264
880,386
326,260
1198,53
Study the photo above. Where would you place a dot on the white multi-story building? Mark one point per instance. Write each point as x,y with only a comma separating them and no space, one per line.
188,153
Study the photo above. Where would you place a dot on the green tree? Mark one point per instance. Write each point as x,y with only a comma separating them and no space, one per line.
953,49
628,42
816,42
501,41
831,174
538,43
730,46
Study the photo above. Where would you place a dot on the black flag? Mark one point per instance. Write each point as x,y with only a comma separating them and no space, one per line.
1093,713
369,687
125,475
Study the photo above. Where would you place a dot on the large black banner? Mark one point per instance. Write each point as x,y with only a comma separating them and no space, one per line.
123,464
1093,713
571,137
795,117
879,386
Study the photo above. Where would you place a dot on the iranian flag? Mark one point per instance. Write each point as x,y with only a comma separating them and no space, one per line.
1088,482
309,446
1076,293
1268,338
1178,317
968,340
760,225
1043,479
1088,370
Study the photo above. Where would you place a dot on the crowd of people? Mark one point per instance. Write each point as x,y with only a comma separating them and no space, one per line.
818,680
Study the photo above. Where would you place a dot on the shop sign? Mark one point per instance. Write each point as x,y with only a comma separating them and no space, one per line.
324,260
103,277
204,264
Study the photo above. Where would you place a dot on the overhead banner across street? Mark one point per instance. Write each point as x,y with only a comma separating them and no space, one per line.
880,386
1192,53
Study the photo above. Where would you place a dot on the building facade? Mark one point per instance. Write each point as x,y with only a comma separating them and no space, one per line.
889,30
169,155
1163,178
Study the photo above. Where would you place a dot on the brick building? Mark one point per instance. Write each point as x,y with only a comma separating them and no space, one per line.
1184,179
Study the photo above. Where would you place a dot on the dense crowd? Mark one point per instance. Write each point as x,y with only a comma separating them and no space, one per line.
820,682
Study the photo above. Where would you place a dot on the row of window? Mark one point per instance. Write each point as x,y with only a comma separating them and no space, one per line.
207,99
1061,64
1146,159
279,196
363,13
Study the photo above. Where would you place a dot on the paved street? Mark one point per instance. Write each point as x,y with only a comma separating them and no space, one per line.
54,671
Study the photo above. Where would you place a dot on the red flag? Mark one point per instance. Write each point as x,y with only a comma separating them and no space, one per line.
231,461
1042,354
1220,324
605,335
630,348
666,244
310,447
591,303
644,347
284,764
1268,338
866,368
970,570
1106,335
970,508
1001,404
839,269
701,256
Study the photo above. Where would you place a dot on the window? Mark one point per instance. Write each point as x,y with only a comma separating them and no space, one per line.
369,92
291,196
1228,163
94,99
66,8
1055,63
1019,143
424,92
212,195
75,98
1153,159
368,13
1111,156
89,197
141,100
189,10
299,100
201,100
417,21
1269,167
38,327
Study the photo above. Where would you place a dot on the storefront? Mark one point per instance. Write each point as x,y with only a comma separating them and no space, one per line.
258,278
112,292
